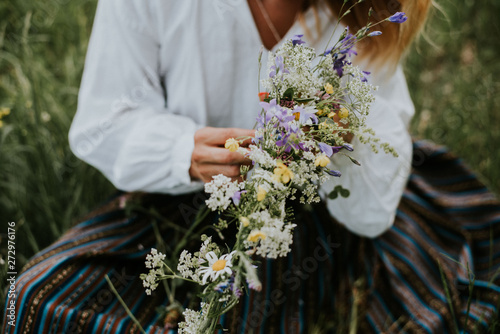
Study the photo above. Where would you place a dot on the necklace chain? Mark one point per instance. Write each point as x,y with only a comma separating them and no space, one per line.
268,20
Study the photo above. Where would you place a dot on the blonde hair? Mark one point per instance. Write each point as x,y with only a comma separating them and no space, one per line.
388,48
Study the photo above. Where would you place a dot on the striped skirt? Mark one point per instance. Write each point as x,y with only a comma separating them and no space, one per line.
435,271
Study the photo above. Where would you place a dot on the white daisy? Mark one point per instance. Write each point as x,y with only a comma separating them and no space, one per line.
216,266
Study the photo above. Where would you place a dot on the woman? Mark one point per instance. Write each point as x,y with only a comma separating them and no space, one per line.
165,84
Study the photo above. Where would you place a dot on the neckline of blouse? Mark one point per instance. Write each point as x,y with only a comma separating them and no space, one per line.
310,18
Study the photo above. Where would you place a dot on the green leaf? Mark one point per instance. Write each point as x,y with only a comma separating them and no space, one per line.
304,100
345,193
288,94
339,190
333,195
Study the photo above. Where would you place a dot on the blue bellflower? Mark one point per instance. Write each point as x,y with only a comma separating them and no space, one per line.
399,17
325,148
334,173
278,67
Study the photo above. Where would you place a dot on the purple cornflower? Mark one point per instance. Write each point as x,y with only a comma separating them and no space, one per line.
399,17
297,40
220,287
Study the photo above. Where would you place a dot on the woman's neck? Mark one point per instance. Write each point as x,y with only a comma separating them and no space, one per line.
274,18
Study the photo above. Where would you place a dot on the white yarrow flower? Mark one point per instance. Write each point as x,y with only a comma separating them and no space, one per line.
193,320
221,189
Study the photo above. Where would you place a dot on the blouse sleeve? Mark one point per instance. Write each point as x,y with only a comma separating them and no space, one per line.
377,185
122,125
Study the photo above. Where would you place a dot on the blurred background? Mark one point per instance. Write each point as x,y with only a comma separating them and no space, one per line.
452,73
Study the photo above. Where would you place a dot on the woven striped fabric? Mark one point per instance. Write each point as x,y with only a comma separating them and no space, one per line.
435,271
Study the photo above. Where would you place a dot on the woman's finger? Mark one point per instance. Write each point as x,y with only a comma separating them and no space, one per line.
218,136
219,156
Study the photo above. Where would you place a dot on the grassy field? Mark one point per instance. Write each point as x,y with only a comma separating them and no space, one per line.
453,78
455,87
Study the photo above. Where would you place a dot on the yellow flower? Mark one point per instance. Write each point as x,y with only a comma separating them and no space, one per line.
329,88
344,112
323,111
4,112
282,173
232,144
331,115
322,160
261,194
323,125
245,221
254,236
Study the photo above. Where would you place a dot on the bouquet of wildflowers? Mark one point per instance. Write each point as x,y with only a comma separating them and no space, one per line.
312,105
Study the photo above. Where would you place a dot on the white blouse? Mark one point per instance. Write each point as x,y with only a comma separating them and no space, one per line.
158,70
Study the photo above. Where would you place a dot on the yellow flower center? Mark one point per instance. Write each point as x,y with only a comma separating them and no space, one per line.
256,235
219,265
232,144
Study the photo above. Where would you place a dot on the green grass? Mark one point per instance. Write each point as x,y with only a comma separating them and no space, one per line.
44,188
454,84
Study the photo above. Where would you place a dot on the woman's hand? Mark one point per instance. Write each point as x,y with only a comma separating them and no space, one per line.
210,158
